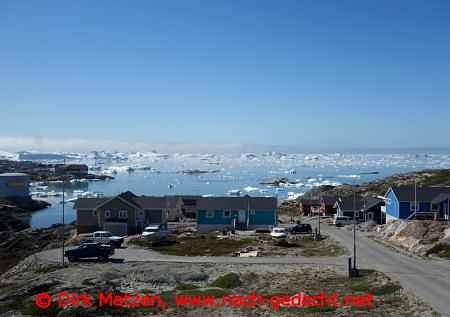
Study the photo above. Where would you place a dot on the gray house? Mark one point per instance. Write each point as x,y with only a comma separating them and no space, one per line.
368,209
123,214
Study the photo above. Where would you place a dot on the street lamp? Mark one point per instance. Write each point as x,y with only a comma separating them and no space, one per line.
354,216
63,205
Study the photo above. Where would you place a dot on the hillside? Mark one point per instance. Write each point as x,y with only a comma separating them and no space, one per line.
439,177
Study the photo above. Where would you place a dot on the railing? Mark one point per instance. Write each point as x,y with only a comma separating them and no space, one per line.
423,214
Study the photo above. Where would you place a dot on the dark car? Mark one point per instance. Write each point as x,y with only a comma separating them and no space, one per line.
301,228
90,250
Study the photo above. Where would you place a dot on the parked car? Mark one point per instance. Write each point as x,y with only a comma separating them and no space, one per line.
155,232
343,221
104,237
301,228
90,250
279,233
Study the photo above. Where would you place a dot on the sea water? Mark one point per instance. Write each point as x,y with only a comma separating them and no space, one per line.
162,176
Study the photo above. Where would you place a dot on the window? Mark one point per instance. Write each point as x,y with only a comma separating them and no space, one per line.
252,212
94,213
210,213
413,205
388,201
107,214
123,214
434,206
226,214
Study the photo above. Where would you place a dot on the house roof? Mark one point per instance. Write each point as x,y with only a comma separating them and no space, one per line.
407,193
237,203
440,198
361,203
90,203
153,202
328,200
142,202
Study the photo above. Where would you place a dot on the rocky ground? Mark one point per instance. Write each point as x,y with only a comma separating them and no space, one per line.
40,172
27,205
416,237
19,286
18,241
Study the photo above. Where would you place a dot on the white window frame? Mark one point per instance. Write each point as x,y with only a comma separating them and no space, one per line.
209,213
387,201
107,214
229,213
253,212
412,207
94,213
120,214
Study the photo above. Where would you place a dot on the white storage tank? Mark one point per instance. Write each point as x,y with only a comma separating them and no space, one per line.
14,185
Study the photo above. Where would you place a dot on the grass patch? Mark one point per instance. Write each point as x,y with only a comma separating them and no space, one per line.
168,297
366,272
206,292
440,177
230,280
389,288
5,308
366,287
325,247
441,250
185,287
204,244
321,309
51,311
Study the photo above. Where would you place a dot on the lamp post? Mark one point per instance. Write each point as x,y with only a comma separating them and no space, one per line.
354,216
63,204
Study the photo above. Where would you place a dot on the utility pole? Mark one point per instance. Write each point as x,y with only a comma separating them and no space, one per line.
355,270
63,220
415,199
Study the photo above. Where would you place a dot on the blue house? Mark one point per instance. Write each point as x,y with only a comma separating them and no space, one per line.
408,202
227,213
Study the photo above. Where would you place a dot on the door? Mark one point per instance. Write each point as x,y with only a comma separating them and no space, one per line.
241,216
117,229
370,216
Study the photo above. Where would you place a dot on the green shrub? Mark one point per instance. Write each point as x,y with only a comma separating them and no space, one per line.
229,280
441,249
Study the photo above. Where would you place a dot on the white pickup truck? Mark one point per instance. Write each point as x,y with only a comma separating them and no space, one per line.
104,237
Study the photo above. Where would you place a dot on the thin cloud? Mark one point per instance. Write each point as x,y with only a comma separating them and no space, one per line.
41,144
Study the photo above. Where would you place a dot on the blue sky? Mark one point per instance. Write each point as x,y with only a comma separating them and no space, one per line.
306,74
